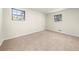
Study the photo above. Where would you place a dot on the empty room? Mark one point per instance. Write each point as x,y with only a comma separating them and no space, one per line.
39,29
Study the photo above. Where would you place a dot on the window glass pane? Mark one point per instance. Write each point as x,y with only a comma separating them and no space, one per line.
18,14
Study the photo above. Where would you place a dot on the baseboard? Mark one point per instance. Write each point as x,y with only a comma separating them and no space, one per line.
1,41
70,34
65,33
11,37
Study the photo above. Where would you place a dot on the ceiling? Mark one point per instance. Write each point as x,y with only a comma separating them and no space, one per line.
48,10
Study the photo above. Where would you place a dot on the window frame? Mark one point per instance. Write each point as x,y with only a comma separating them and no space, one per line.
18,15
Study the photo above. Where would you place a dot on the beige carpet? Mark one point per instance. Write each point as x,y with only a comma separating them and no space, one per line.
42,41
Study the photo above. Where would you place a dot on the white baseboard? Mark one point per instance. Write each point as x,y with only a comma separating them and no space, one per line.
70,34
65,33
1,41
11,37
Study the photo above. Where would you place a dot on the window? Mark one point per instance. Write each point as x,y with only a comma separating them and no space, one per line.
18,15
58,17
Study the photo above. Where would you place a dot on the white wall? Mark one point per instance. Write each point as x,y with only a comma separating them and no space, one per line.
1,40
0,22
68,25
34,22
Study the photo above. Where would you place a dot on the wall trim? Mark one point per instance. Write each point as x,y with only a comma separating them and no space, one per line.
64,33
11,37
1,41
8,38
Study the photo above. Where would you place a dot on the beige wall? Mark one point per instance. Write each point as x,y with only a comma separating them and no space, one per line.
68,25
34,22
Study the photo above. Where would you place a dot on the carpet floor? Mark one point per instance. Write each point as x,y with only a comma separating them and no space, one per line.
42,41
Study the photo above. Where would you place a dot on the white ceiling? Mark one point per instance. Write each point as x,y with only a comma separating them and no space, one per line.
48,10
